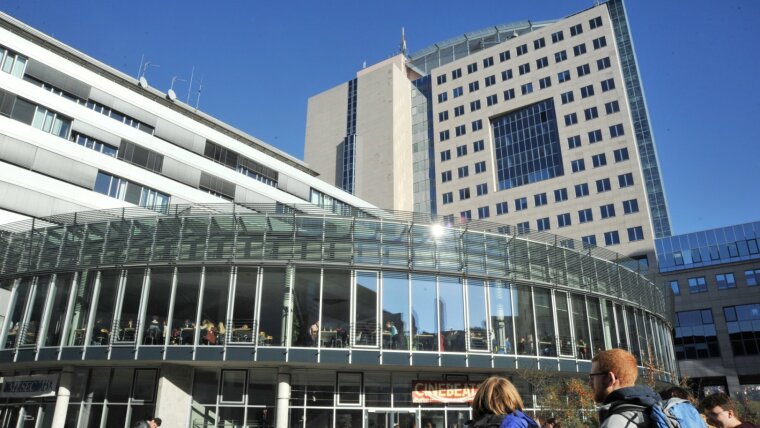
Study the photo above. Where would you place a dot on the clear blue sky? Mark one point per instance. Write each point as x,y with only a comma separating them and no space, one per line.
261,60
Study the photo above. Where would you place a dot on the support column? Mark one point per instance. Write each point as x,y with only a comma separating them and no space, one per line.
174,396
62,398
283,400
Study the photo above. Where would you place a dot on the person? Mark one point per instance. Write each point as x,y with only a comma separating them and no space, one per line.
721,412
551,423
152,422
582,349
154,330
497,404
612,378
392,333
507,345
314,332
220,333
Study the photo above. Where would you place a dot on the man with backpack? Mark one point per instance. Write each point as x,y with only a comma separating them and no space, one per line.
626,405
721,411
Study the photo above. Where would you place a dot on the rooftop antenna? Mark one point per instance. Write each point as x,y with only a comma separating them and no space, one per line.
364,64
190,86
200,89
143,80
170,93
403,42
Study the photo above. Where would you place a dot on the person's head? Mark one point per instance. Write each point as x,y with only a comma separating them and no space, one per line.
720,410
154,422
496,396
551,423
675,391
611,370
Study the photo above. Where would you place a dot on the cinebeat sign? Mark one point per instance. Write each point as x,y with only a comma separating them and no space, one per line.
29,386
443,392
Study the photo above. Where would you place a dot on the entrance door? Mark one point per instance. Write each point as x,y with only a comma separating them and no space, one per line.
391,419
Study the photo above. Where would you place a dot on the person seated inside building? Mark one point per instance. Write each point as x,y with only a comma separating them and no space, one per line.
100,332
153,333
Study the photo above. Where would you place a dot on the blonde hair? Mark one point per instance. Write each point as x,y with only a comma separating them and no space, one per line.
496,396
620,362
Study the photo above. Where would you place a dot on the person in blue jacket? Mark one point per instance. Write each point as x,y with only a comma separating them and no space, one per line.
497,404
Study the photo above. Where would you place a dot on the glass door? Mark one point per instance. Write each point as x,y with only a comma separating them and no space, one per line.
390,418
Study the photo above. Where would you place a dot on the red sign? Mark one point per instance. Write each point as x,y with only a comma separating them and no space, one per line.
427,391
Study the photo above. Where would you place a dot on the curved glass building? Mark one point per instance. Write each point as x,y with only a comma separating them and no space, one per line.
234,314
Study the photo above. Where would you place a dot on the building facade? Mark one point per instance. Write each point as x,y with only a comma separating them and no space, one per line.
164,263
714,276
537,124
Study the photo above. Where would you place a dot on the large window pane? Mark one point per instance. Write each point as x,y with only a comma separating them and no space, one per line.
54,331
545,322
262,387
476,315
34,318
104,319
366,298
129,319
214,310
424,314
306,324
451,303
336,308
597,326
240,326
396,311
85,287
580,325
273,318
185,306
564,336
523,306
19,304
157,308
500,296
233,386
620,326
633,340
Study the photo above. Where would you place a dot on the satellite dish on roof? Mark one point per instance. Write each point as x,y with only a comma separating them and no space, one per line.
171,95
143,82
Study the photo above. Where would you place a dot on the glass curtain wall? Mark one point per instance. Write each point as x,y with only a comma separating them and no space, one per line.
83,306
425,307
581,323
185,310
105,324
31,325
451,304
305,323
395,310
366,303
242,322
214,306
156,330
20,298
56,320
524,325
274,291
127,321
477,317
500,300
336,327
564,332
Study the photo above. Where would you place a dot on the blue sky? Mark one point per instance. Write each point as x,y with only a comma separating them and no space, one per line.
260,61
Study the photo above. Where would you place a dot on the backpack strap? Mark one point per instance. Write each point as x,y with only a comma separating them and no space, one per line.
619,409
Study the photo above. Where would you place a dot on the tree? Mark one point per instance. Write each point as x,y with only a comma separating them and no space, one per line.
568,399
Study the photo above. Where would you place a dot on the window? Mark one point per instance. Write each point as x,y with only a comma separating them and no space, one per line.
526,88
591,113
578,165
506,74
560,195
675,287
563,220
743,323
460,130
608,85
13,63
478,146
543,224
576,29
603,63
599,42
445,176
471,68
751,277
464,193
603,185
630,206
611,238
473,86
461,151
587,91
482,189
540,199
128,191
697,285
635,234
463,171
487,62
595,136
502,208
625,180
585,215
524,69
579,49
558,37
612,107
695,336
475,105
581,190
539,43
140,156
607,211
542,62
563,76
523,227
458,111
574,142
522,50
599,160
545,82
595,23
589,241
480,167
492,100
567,97
443,96
725,281
448,198
43,119
443,135
441,79
456,74
583,70
465,216
477,125
93,144
484,212
621,154
443,116
560,56
457,92
504,56
445,155
571,119
490,80
509,94
521,204
616,130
